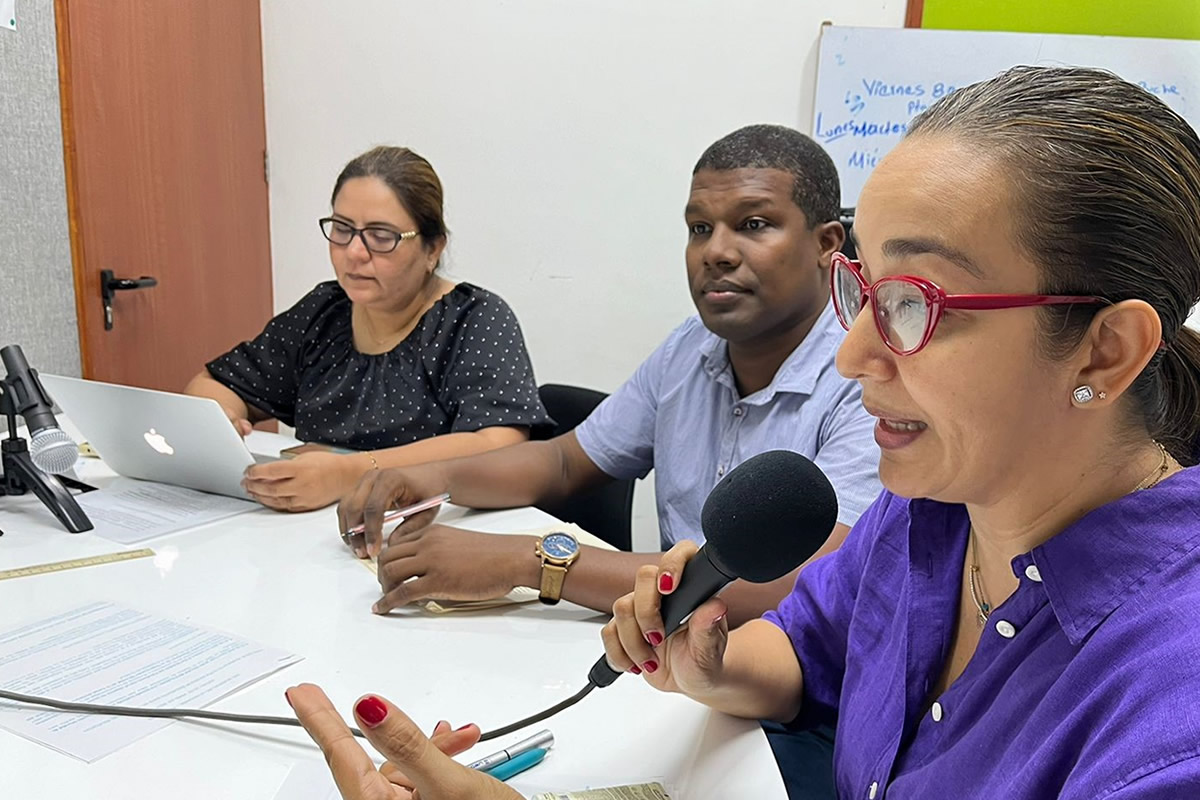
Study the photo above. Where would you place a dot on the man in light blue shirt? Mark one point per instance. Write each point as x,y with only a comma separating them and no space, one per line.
688,385
753,372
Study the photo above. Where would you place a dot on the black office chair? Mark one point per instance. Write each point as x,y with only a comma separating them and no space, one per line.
605,511
846,217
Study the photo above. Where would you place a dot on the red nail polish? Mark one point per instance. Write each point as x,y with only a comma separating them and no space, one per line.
666,582
463,728
654,638
651,666
287,697
371,710
635,670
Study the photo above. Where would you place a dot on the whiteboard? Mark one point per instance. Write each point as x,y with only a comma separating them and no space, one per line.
872,81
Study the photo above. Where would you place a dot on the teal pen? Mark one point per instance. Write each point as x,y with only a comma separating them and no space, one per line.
518,764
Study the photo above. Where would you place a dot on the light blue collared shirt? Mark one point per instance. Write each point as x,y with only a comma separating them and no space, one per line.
681,415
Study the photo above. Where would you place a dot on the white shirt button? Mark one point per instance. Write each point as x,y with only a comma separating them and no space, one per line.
720,471
1006,629
936,712
873,790
737,412
1033,573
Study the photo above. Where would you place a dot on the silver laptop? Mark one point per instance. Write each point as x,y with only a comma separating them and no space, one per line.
157,436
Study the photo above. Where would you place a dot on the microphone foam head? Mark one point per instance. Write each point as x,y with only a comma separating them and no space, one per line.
768,516
52,450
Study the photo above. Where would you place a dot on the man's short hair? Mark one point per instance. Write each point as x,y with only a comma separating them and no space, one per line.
815,187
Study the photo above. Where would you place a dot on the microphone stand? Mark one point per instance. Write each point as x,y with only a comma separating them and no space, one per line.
20,475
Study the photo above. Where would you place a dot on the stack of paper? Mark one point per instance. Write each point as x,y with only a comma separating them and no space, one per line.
311,780
108,654
129,511
637,791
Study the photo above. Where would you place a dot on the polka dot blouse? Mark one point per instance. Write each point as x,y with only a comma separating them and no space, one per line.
463,368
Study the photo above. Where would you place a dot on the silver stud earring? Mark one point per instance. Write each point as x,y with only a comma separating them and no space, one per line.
1083,394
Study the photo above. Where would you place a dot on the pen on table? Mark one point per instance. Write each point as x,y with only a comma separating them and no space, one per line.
517,764
400,514
543,739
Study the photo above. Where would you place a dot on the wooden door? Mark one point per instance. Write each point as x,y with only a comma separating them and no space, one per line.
165,145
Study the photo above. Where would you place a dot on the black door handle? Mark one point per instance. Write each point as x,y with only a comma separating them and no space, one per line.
110,285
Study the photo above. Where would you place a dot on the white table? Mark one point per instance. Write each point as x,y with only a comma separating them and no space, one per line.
286,580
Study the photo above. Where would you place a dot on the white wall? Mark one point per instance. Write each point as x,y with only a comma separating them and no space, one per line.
564,134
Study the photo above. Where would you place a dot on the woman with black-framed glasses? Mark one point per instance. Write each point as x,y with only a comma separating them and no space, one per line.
1015,615
391,362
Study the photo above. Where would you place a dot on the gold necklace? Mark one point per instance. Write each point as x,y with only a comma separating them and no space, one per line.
374,343
1157,475
984,608
976,583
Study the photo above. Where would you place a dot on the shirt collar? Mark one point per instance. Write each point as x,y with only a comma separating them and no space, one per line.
1095,564
799,371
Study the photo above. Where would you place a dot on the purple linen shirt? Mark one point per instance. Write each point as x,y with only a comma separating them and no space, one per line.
1085,684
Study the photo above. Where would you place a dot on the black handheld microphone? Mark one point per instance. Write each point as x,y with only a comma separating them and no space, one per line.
767,517
50,448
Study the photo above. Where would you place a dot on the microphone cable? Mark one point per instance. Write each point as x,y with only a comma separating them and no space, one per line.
541,715
256,719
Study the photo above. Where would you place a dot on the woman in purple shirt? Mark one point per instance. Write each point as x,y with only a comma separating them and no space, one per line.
1028,627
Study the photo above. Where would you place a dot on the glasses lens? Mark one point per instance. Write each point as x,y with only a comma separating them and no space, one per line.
337,232
903,313
847,293
381,240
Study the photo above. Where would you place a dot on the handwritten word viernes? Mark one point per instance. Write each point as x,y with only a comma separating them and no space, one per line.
879,88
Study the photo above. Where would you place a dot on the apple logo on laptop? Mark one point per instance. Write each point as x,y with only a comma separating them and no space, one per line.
158,442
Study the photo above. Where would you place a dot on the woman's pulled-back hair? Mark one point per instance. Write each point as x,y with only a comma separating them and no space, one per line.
1106,180
411,177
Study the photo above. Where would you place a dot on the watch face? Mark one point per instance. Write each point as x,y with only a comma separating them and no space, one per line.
559,545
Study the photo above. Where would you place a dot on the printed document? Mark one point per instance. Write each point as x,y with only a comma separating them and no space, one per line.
107,654
129,511
640,791
311,780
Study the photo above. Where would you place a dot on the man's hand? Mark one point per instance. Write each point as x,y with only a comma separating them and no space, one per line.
379,491
444,563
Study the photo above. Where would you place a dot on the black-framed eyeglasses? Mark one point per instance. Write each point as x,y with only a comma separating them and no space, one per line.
376,240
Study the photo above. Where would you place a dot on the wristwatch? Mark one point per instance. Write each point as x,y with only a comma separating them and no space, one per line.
558,551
